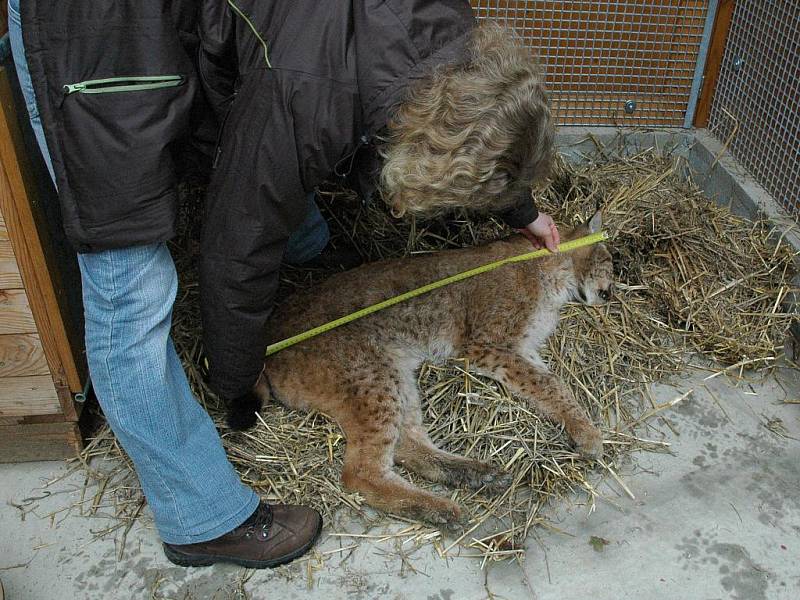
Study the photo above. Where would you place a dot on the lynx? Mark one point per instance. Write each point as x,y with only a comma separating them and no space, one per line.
363,374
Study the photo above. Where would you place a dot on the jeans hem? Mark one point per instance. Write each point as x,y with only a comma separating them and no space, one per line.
228,525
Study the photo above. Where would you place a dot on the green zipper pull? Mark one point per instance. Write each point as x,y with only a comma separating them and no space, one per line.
71,88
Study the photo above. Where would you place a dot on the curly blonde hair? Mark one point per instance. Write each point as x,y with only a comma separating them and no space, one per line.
474,135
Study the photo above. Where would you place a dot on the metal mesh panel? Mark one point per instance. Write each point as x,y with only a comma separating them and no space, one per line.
599,55
757,102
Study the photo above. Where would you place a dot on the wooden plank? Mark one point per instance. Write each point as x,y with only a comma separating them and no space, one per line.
716,51
15,205
15,313
33,419
6,251
46,441
9,269
23,396
22,354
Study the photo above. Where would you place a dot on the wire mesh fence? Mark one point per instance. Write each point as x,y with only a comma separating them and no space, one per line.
623,62
756,106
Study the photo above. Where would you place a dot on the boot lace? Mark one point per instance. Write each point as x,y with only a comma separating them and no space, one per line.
259,522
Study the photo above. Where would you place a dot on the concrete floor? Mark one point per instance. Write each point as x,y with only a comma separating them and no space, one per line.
718,518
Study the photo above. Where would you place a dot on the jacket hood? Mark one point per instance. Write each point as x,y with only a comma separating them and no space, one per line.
399,42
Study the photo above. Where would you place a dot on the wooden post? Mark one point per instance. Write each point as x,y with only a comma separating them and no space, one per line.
3,18
722,25
38,372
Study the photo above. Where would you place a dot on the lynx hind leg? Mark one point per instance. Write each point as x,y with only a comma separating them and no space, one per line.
368,403
368,470
543,391
416,452
288,378
372,420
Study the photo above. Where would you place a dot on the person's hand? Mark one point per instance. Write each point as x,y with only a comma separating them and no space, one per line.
542,232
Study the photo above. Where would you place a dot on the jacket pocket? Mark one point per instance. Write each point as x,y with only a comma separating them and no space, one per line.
120,134
123,84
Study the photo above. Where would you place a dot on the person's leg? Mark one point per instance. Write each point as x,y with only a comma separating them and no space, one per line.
128,295
194,493
308,246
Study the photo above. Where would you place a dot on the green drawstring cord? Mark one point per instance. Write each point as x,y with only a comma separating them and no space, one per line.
253,29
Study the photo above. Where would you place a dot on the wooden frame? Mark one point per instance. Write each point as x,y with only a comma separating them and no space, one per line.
716,51
40,366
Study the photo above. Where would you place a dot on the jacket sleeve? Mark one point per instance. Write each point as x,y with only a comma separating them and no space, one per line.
249,216
522,213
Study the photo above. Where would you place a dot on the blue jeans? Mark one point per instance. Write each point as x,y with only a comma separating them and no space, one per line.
193,491
308,240
15,37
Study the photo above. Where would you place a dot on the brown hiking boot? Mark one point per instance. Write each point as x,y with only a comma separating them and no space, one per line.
272,536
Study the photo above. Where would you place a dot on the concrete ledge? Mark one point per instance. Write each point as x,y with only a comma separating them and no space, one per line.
725,180
577,143
717,173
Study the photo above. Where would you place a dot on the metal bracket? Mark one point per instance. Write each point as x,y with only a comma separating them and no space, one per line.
700,67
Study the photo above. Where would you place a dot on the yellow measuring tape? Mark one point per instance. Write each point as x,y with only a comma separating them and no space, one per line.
301,337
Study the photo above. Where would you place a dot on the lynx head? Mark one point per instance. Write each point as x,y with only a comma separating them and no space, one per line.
594,270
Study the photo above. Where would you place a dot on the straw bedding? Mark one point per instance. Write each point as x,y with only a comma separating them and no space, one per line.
696,286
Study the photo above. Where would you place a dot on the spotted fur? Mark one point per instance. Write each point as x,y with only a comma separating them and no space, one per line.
363,374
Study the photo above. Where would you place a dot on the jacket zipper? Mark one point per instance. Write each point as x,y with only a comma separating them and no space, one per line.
123,84
218,146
